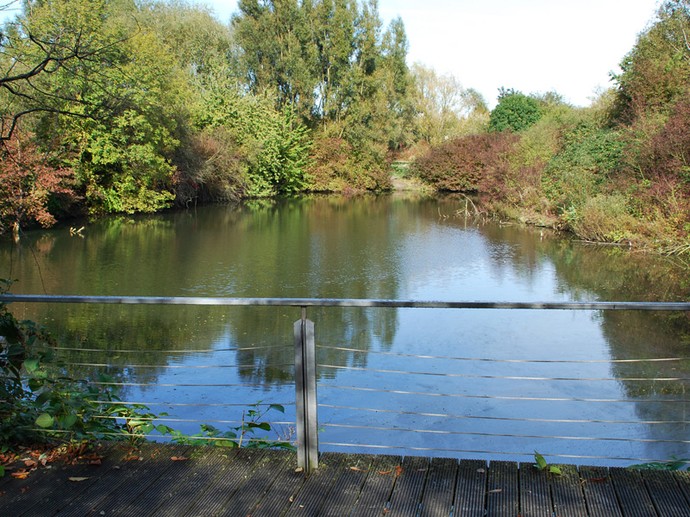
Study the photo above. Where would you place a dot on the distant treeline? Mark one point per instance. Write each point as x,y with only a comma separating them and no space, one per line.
124,106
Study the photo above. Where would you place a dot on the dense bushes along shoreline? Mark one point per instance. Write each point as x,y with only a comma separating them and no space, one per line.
125,107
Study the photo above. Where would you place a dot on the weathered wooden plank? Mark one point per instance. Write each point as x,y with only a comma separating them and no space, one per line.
283,491
568,498
407,493
161,491
342,498
120,465
378,487
203,466
632,493
250,482
683,480
470,489
315,491
599,493
154,463
46,490
232,477
665,493
437,500
535,495
502,497
269,468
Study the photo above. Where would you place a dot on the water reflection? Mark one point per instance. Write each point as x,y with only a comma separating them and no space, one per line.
371,247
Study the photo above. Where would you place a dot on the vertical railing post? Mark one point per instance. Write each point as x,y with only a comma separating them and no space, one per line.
305,394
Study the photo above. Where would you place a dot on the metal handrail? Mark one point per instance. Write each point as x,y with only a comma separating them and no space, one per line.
304,345
344,302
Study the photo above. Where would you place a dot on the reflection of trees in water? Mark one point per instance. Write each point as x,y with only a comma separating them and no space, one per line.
136,343
322,247
615,274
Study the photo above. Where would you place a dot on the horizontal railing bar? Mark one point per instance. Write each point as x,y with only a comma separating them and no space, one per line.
191,404
504,435
502,377
342,302
497,397
176,366
492,453
170,351
498,360
505,418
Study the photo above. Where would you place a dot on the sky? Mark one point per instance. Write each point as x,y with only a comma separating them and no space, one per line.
534,46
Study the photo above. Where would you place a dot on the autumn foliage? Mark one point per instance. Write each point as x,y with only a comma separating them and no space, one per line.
474,163
29,186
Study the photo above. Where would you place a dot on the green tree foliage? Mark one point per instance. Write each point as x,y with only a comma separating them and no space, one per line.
50,44
271,148
444,108
330,59
515,111
655,74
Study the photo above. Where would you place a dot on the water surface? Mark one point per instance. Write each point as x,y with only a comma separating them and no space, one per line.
566,383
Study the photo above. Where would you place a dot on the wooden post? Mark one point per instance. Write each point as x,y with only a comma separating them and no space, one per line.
305,394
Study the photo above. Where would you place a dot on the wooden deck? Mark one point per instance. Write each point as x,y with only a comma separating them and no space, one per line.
175,480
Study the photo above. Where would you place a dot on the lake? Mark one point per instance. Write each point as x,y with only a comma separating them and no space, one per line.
590,387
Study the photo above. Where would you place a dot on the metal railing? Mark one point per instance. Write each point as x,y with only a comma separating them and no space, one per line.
305,358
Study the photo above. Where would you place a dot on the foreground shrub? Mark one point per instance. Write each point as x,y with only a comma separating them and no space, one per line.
604,218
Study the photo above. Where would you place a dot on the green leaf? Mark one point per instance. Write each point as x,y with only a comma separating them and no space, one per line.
277,407
68,421
555,470
2,471
31,365
541,462
44,420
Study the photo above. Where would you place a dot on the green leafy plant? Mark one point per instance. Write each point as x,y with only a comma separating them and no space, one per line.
251,432
40,404
542,465
674,464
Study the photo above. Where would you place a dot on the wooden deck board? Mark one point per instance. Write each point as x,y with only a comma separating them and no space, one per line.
229,480
566,490
632,494
378,487
438,490
535,496
313,495
470,489
599,493
213,482
355,470
667,496
503,499
409,486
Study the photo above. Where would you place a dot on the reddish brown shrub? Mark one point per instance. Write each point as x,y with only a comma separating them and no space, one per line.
474,163
28,184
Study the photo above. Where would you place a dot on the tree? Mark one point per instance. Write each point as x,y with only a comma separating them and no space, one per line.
515,111
46,41
28,184
656,72
444,108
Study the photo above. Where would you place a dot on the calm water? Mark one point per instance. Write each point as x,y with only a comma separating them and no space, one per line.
460,382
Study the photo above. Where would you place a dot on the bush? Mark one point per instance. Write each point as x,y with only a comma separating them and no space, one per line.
210,167
515,111
474,163
604,218
336,166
